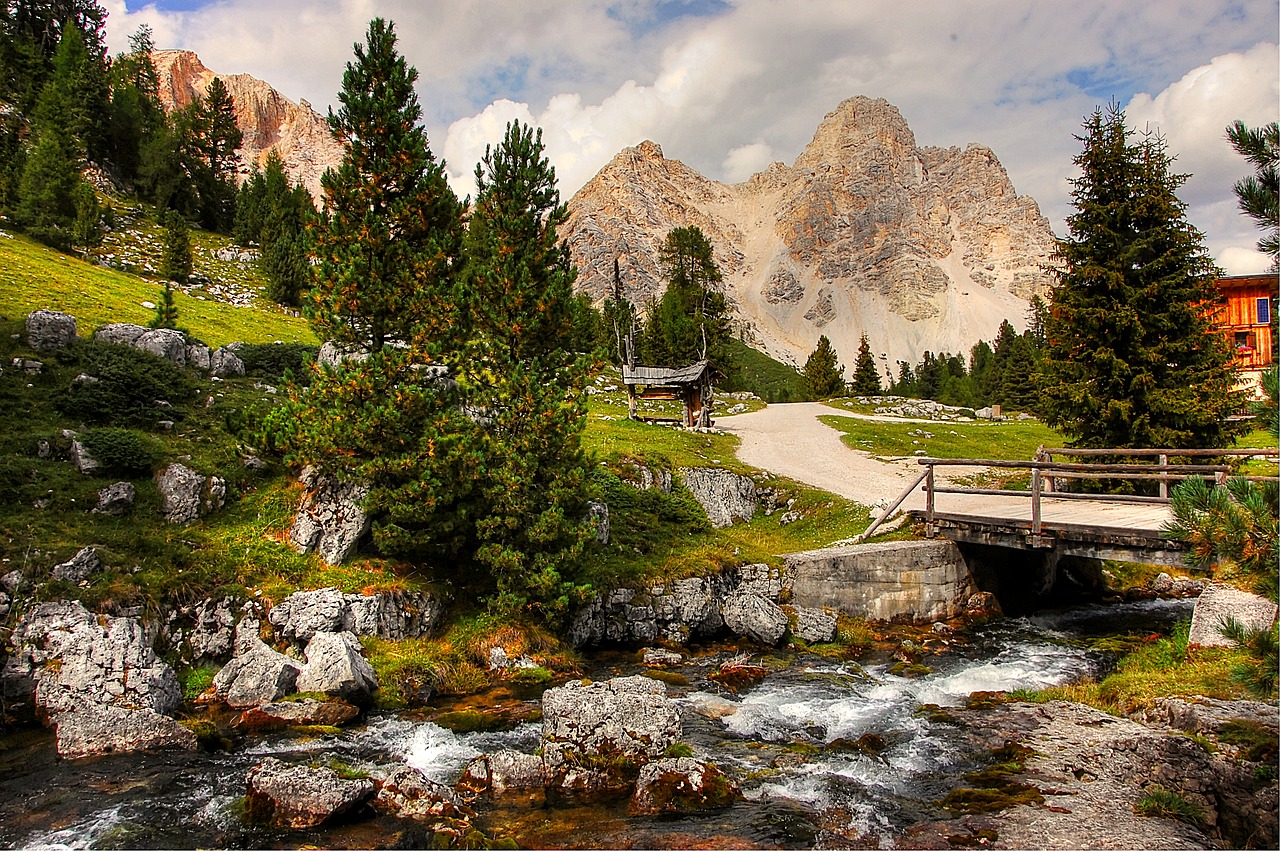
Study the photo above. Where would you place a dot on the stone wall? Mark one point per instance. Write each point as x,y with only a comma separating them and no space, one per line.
897,581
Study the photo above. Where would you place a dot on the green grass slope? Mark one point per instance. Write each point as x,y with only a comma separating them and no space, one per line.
34,277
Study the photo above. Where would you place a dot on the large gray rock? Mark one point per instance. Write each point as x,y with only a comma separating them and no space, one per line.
203,631
812,625
166,343
257,676
506,774
198,356
725,496
224,363
66,658
393,615
298,796
91,729
81,566
117,499
120,332
1217,603
407,793
627,716
753,616
84,462
49,329
186,495
331,520
681,785
336,666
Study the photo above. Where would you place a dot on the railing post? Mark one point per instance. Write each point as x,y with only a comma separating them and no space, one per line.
1036,522
1043,454
928,503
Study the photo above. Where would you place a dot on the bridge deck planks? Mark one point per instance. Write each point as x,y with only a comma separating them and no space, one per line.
1136,519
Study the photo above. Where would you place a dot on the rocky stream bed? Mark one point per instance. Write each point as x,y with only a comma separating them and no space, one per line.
661,749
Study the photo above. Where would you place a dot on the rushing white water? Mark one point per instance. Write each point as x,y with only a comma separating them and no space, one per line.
779,740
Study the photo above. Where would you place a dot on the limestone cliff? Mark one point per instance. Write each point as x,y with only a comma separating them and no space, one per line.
920,248
266,118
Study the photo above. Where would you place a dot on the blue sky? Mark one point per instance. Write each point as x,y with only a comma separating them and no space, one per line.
728,86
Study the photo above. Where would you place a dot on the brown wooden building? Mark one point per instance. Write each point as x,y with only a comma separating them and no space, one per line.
1245,319
692,385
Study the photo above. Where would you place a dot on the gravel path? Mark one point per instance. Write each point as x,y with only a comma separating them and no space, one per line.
788,440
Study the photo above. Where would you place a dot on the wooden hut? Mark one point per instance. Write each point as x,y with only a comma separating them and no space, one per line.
1245,320
693,385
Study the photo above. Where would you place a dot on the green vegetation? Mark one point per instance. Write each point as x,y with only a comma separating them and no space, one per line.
1131,362
866,375
823,375
1163,803
769,379
1153,669
994,788
1008,440
1259,193
35,277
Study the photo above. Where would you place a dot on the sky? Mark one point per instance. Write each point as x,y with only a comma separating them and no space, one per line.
729,86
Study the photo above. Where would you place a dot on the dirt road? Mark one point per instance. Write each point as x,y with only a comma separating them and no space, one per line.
788,440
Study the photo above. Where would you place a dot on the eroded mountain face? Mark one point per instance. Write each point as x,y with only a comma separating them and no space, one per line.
266,118
920,248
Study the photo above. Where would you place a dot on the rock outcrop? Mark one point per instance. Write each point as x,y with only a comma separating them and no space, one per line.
920,248
95,679
50,329
256,676
394,615
331,520
724,495
185,495
267,119
299,796
336,666
1217,603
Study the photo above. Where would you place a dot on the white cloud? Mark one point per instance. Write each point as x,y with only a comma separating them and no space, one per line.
728,88
744,161
1192,115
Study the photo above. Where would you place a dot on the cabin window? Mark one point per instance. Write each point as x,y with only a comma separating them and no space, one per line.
1264,311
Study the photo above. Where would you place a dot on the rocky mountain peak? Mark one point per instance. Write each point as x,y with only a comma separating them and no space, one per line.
267,118
919,248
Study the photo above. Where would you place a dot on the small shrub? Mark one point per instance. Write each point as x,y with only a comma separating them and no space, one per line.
272,360
1163,803
123,450
129,382
195,681
679,749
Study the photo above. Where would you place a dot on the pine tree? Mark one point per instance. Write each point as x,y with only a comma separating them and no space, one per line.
866,376
389,243
166,311
1131,361
218,141
391,229
691,320
175,259
823,375
1259,193
520,372
87,230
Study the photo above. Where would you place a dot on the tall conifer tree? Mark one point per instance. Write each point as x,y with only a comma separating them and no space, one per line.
522,374
866,376
823,375
1131,361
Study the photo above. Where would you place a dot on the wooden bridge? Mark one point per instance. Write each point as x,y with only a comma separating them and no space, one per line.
1047,518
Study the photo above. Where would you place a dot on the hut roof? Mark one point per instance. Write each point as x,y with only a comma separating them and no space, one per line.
662,376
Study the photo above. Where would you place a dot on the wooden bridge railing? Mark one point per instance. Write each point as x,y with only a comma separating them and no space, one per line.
1045,473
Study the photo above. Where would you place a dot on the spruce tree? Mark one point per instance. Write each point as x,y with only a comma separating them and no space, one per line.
823,375
691,320
166,311
866,377
520,371
175,259
391,229
1259,194
389,243
87,230
1131,358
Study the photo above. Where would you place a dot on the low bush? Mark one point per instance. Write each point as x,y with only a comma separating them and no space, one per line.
272,360
128,384
125,451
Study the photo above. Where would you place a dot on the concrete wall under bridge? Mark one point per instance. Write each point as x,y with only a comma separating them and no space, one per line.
897,581
925,581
